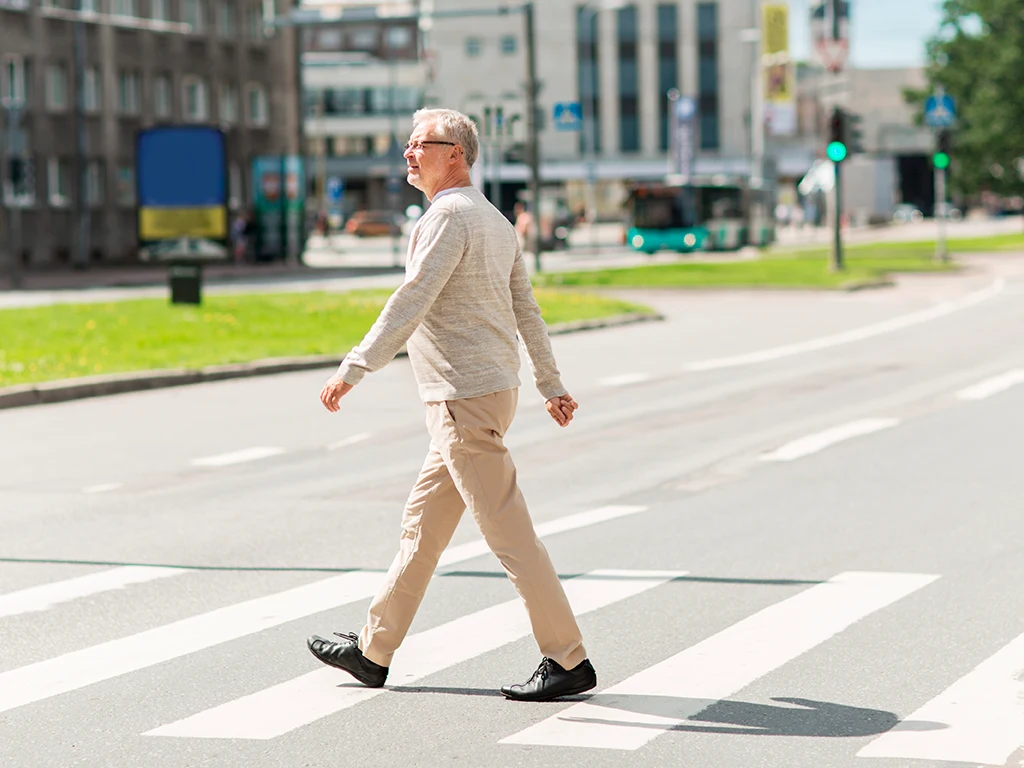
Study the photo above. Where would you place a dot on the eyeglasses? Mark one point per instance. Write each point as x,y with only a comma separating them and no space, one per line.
417,146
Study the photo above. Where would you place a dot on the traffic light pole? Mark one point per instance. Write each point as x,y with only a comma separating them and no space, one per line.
837,241
941,251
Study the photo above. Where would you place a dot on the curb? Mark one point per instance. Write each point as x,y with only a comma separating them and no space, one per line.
114,384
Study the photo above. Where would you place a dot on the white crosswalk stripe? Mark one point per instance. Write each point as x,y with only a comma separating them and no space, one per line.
979,719
689,682
276,711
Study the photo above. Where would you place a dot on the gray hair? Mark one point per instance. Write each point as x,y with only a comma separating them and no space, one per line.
450,125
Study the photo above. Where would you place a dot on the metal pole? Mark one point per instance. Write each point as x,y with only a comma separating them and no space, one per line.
14,236
837,243
941,252
587,16
533,129
392,151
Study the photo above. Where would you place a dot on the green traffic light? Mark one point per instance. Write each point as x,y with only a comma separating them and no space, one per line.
941,160
836,151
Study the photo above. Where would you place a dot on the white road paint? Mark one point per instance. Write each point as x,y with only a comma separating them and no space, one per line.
282,708
79,669
624,380
978,720
631,713
805,446
355,439
44,596
238,457
857,334
993,386
103,488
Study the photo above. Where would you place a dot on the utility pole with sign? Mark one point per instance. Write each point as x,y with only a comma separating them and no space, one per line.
940,114
837,152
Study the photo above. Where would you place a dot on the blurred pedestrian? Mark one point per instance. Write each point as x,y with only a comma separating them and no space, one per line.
465,296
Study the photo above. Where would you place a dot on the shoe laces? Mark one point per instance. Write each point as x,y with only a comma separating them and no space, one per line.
350,636
544,670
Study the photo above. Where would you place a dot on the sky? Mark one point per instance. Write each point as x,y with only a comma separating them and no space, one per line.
884,33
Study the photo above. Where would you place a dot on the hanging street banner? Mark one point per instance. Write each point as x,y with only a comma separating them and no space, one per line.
779,71
684,121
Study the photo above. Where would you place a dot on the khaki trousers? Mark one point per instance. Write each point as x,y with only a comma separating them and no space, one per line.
468,465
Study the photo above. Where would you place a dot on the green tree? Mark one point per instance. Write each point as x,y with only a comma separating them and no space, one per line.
976,58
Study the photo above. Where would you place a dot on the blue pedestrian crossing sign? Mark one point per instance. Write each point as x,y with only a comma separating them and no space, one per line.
568,116
335,189
939,111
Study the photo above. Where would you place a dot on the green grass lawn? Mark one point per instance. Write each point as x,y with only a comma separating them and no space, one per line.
793,270
923,249
71,340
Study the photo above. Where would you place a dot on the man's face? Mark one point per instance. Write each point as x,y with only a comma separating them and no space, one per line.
430,163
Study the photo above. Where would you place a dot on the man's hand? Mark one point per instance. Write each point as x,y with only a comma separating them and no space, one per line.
561,409
333,391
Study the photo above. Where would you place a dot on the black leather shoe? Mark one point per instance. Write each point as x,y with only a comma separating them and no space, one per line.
347,656
551,681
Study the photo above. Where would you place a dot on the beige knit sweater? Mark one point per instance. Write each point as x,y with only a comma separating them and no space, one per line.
465,295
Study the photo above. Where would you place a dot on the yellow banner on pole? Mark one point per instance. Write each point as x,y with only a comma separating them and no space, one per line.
778,70
775,28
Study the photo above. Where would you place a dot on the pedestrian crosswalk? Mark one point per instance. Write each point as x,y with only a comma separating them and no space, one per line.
979,719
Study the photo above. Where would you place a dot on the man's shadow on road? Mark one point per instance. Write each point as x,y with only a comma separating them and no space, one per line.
806,717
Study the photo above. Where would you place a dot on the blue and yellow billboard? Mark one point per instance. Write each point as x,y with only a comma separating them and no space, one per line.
182,183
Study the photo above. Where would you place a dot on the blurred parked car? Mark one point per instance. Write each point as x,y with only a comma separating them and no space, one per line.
374,224
906,213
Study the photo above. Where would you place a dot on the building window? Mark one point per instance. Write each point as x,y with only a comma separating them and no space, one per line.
474,47
509,45
195,15
196,106
162,96
226,19
399,37
13,82
629,118
365,39
707,42
92,95
57,87
94,183
158,10
589,85
87,6
259,114
124,8
19,182
229,104
129,101
58,182
254,23
126,185
668,67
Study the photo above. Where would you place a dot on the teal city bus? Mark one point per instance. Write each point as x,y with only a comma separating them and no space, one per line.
704,215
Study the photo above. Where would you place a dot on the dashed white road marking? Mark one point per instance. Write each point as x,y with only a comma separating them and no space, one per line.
805,446
624,380
238,457
631,713
282,708
46,596
361,437
857,334
993,386
979,719
102,488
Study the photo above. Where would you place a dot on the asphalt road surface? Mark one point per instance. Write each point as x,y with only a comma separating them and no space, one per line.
790,524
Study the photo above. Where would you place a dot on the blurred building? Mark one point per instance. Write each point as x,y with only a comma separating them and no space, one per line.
78,80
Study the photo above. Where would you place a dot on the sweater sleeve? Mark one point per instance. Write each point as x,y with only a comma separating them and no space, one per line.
534,332
438,246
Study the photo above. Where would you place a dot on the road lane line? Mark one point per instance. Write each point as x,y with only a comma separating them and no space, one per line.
44,596
805,446
979,719
238,457
79,669
363,436
628,715
103,488
624,380
993,386
857,334
282,708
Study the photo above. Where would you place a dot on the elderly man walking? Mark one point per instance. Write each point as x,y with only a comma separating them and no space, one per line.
465,295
